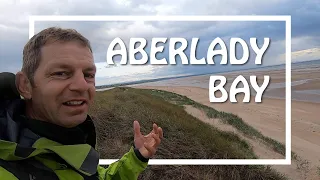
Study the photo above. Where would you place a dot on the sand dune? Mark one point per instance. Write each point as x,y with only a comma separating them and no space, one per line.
269,116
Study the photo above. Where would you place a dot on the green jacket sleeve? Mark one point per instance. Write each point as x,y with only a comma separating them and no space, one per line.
128,167
4,174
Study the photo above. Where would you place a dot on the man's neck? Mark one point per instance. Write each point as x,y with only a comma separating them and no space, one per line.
83,133
31,113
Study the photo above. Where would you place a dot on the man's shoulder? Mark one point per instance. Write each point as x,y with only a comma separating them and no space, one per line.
4,105
9,95
8,89
9,108
11,127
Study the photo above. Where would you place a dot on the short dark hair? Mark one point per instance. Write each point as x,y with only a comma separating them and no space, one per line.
32,50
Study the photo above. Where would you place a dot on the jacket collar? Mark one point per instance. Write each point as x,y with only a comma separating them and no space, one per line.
53,140
82,134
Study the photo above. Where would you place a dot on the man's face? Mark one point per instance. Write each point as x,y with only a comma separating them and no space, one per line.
64,84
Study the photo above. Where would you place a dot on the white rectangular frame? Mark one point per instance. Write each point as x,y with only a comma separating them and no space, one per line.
286,19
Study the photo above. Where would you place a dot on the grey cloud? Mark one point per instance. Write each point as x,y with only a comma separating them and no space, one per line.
305,23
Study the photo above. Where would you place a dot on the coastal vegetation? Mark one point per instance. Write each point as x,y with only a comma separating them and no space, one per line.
185,137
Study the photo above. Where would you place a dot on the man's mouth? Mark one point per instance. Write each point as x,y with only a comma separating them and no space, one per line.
74,103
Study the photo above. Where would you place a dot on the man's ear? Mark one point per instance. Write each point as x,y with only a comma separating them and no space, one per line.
23,85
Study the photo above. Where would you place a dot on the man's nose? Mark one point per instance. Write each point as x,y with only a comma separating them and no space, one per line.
79,83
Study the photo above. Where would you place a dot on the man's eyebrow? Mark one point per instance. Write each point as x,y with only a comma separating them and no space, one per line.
60,65
67,66
92,68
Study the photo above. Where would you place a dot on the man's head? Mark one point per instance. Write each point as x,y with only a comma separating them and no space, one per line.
57,77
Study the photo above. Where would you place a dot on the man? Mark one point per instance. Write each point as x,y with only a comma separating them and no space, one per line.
48,134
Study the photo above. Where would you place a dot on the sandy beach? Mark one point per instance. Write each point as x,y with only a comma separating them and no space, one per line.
268,117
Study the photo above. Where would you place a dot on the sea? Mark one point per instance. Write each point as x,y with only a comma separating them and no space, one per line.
274,89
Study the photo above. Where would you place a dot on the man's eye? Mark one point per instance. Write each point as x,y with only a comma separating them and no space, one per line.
60,73
89,75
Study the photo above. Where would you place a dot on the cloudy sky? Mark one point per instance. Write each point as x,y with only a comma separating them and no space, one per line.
305,31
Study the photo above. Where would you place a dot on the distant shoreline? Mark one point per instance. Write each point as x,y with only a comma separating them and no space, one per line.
282,66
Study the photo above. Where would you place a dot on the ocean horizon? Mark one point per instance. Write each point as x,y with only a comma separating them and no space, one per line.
294,66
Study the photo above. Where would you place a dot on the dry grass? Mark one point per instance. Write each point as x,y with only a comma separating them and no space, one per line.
184,137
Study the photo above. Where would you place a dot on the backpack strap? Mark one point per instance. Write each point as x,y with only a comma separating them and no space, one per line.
8,89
